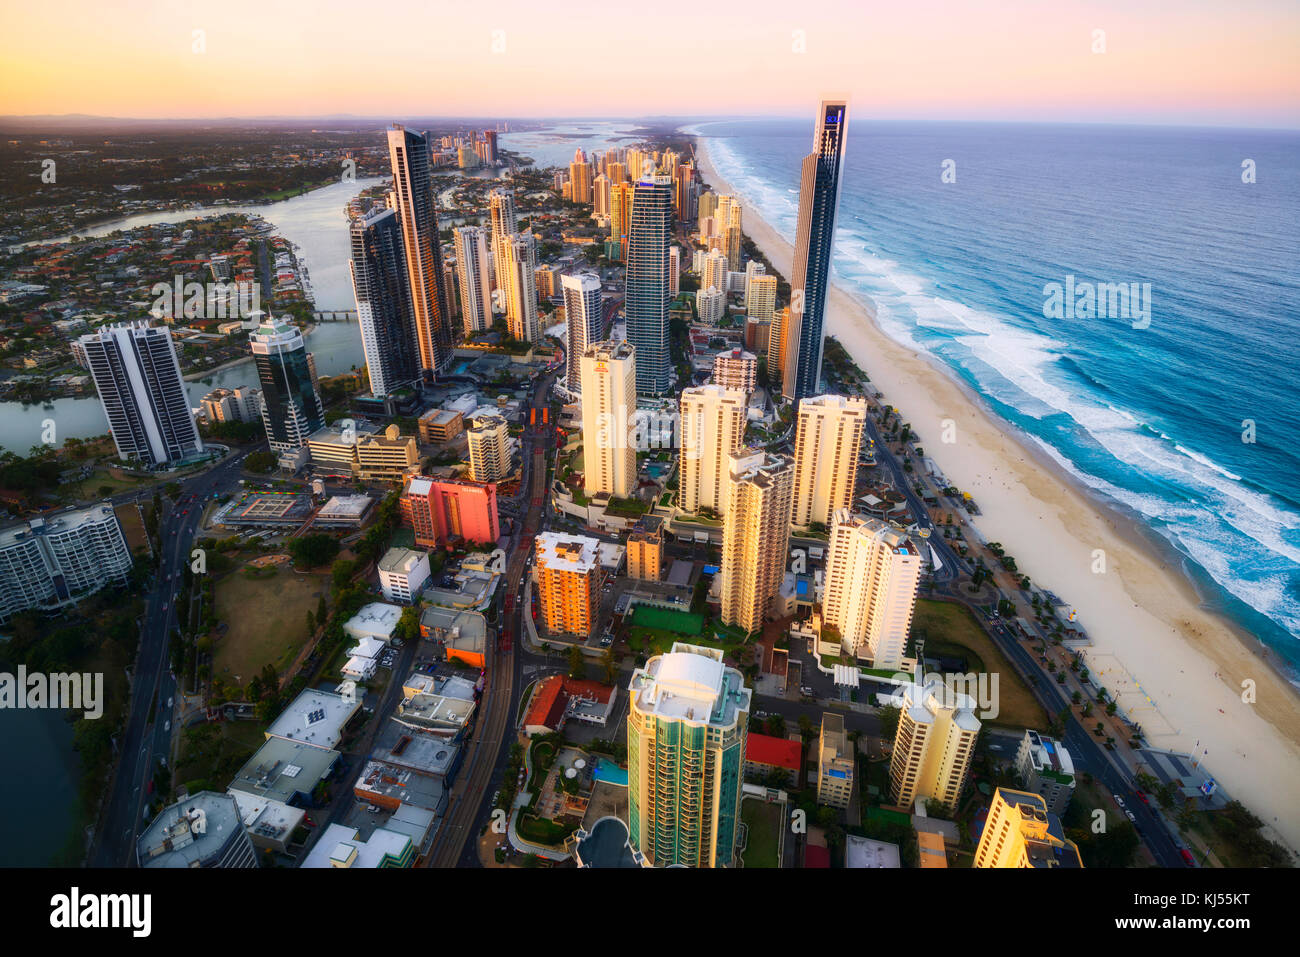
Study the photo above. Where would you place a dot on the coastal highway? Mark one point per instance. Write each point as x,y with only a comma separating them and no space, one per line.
145,740
1087,751
489,744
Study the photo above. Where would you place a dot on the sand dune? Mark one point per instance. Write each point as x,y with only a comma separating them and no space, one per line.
1143,612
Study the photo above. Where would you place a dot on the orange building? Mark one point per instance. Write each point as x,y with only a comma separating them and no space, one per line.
568,576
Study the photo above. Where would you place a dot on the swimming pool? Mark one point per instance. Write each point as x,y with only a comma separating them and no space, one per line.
610,772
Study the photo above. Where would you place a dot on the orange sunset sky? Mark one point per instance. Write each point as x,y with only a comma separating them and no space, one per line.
1166,62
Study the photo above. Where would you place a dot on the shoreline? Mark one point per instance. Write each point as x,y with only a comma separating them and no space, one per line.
1148,591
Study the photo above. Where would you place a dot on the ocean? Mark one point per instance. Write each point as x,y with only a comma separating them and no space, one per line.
1186,416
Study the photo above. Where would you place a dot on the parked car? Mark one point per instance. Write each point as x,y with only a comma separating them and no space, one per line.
1131,816
1187,857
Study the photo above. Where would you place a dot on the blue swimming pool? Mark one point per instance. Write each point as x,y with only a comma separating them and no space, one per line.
610,772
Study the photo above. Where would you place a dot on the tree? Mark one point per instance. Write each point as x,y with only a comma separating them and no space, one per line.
889,715
408,626
577,663
262,462
313,551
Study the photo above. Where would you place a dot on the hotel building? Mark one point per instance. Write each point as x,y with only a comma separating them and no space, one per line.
233,405
828,440
933,746
1021,832
60,558
688,717
138,378
755,536
444,509
474,276
736,369
568,577
713,427
609,379
1047,769
872,571
519,283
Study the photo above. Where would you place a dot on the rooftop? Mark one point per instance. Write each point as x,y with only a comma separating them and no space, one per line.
173,838
690,683
314,717
567,553
281,769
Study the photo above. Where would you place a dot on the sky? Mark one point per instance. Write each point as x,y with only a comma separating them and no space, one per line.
1129,61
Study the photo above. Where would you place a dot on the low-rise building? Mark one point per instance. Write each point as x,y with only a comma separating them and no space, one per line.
864,852
374,620
403,574
462,633
558,699
341,846
1047,769
645,549
389,457
440,425
440,510
315,717
835,763
766,755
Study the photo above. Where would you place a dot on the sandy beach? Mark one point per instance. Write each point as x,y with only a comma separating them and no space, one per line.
1143,615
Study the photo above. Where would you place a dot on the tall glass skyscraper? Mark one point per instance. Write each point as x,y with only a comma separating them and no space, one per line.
291,406
687,723
139,382
384,309
819,196
647,281
417,208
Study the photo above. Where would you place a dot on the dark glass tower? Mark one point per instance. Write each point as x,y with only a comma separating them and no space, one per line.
417,209
384,309
647,282
819,195
291,406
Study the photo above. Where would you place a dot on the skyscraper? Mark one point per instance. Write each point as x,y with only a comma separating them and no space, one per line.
674,271
501,210
520,286
755,536
584,317
714,274
819,194
760,299
291,406
872,572
933,745
828,440
608,374
138,378
600,195
384,310
647,282
580,178
417,208
620,214
473,275
687,723
713,427
568,577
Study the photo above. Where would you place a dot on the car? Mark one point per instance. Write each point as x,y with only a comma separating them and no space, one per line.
167,725
1119,800
169,702
1131,816
1187,857
164,606
1141,795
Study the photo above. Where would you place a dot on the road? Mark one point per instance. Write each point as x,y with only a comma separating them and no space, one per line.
144,742
489,746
